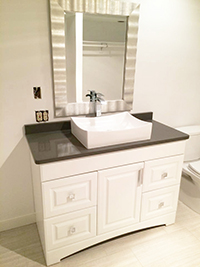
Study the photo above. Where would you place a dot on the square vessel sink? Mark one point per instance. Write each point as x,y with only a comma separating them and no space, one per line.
109,130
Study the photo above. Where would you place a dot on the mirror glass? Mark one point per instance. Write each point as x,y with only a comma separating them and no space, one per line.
102,49
104,39
93,48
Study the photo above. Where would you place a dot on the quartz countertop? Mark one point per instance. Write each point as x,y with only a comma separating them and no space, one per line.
55,142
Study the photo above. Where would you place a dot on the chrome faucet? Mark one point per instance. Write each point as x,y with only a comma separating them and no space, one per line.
97,99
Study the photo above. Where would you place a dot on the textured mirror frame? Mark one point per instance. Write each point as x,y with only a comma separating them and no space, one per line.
111,7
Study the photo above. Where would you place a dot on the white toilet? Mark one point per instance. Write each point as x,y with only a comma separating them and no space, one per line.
190,181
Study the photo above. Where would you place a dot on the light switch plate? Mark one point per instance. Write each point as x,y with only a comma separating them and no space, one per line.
37,92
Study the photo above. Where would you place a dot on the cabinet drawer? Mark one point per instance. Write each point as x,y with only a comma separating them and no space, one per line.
69,194
159,202
162,172
70,228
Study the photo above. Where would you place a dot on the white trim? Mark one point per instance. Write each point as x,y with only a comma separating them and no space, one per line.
17,222
79,58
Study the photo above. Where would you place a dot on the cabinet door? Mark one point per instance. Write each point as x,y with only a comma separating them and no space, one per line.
119,197
164,172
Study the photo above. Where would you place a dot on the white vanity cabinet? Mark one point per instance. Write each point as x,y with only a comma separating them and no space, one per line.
83,201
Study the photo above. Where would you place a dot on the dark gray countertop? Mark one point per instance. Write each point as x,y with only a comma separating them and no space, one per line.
55,142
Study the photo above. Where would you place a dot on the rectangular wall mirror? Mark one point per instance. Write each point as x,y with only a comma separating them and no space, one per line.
94,46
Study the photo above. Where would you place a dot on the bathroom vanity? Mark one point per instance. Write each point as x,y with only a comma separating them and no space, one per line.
86,196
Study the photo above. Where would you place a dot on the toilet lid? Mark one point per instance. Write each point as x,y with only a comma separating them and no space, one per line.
195,167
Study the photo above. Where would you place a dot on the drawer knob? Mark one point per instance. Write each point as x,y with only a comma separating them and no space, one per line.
72,230
71,196
161,204
164,175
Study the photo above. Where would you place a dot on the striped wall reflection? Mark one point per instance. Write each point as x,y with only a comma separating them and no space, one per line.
58,54
130,63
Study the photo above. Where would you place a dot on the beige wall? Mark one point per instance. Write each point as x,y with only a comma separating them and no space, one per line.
167,82
24,63
168,61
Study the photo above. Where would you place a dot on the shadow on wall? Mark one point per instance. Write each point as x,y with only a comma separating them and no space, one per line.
16,194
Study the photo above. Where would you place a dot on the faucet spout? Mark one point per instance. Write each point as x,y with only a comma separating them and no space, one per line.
97,109
97,99
98,103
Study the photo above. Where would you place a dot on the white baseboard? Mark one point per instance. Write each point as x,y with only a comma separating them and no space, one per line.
17,222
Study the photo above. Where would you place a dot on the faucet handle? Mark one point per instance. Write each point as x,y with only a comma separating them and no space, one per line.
99,94
92,95
89,97
99,97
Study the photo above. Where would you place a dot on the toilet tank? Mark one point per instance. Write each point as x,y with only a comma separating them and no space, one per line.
192,149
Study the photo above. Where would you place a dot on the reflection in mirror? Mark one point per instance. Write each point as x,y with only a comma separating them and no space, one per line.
93,48
104,38
99,40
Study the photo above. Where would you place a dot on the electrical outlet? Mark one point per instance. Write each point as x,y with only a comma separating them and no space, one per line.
42,115
45,115
37,92
38,116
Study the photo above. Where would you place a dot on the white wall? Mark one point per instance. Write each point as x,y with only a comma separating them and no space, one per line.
168,61
167,82
24,62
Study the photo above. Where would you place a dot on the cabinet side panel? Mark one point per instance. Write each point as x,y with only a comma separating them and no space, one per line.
38,200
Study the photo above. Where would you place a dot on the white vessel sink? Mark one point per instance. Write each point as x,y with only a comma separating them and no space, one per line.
110,129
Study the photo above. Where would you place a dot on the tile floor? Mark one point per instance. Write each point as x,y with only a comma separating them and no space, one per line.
171,246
